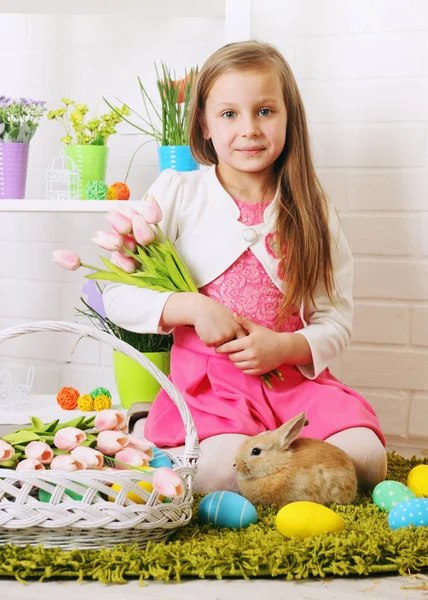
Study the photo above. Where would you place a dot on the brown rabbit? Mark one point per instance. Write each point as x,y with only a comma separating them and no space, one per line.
276,468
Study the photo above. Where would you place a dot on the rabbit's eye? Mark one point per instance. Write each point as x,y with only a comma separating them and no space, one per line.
256,451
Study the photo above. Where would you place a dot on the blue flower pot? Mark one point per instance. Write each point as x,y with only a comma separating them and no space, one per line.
178,158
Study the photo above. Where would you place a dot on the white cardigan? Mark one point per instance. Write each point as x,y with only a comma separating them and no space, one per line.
201,219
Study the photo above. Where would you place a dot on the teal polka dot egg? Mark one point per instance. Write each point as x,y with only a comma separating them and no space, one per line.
414,512
227,509
160,459
388,494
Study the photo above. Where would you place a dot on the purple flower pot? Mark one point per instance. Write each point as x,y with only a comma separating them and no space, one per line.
13,169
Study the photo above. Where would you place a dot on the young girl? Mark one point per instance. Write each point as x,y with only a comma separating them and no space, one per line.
265,248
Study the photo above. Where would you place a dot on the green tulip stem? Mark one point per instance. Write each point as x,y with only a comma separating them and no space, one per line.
90,267
180,264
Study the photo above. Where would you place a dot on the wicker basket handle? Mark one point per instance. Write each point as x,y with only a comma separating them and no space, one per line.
191,442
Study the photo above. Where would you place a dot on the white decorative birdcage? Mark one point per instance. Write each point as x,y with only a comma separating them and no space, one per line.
15,397
62,179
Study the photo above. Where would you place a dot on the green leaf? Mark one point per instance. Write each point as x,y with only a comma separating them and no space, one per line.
51,427
175,274
164,285
37,424
21,437
47,437
104,276
73,423
126,277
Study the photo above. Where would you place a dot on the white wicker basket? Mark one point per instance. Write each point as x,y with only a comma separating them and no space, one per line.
94,521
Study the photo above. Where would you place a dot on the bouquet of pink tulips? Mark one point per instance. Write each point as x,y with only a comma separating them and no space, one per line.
71,447
141,254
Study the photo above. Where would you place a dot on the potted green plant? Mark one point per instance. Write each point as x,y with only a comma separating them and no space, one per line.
133,382
86,140
19,119
166,121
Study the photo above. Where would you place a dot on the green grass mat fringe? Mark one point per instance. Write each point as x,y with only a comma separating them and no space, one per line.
366,546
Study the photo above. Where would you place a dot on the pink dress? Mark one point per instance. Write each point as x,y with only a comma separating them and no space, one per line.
222,399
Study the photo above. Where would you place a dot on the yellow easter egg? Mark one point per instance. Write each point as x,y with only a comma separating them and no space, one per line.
302,519
132,495
417,481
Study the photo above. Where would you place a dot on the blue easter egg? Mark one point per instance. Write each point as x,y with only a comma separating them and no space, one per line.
160,459
413,512
227,509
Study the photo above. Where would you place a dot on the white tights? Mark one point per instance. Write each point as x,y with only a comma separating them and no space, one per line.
215,471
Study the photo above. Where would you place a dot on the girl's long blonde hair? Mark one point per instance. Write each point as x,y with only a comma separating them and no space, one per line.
302,228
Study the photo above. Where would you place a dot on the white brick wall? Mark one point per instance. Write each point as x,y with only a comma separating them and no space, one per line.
362,67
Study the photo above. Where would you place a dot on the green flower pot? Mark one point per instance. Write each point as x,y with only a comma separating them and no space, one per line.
133,382
91,162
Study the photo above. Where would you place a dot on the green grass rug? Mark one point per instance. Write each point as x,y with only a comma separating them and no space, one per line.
366,546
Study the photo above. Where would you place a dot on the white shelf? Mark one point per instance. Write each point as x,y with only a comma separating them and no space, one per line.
62,206
45,407
145,8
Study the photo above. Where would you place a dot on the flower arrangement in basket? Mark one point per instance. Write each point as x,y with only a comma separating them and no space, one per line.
87,483
141,255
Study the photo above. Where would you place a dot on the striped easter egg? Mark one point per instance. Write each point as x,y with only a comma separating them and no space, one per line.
160,459
227,509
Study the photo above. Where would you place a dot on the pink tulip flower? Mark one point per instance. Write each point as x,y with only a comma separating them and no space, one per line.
168,483
30,464
6,451
40,451
69,438
126,263
120,223
151,210
110,442
66,462
109,419
127,210
132,457
129,243
66,259
109,240
143,233
93,459
141,444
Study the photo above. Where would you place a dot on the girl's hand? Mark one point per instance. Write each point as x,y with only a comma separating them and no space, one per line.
259,352
214,323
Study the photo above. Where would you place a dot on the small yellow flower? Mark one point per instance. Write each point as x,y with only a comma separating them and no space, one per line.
67,101
93,124
76,116
66,139
83,108
51,115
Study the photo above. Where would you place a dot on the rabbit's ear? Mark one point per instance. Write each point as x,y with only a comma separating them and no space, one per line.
288,432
